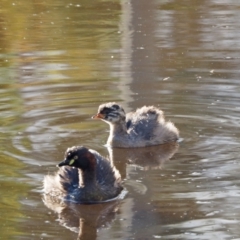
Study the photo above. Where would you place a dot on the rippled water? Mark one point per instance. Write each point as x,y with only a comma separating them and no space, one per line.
60,60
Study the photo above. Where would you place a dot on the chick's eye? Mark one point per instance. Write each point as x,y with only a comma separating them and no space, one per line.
75,157
115,106
105,111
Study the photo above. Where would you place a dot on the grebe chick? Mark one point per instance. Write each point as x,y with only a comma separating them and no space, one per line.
144,127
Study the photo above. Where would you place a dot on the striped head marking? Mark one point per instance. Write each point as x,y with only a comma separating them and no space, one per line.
111,112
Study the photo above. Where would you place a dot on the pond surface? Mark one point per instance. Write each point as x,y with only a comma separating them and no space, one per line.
60,60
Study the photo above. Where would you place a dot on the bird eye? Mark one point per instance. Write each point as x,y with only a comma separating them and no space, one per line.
115,106
75,157
105,111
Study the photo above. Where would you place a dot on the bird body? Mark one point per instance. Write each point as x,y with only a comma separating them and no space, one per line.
144,127
84,177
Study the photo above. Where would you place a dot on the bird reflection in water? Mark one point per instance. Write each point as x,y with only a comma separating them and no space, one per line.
147,158
84,219
152,157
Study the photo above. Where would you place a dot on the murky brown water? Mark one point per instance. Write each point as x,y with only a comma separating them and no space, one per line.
59,60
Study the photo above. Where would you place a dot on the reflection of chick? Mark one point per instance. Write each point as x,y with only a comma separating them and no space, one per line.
152,157
145,127
86,178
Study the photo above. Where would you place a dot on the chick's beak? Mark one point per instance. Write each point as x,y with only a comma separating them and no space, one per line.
98,116
63,163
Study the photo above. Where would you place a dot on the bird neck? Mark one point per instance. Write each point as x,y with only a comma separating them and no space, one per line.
87,177
118,134
118,128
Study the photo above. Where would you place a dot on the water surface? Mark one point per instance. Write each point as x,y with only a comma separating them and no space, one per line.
59,61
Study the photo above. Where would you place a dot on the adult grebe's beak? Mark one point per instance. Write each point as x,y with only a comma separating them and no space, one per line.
63,163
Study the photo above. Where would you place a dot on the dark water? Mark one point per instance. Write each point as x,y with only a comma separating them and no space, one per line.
59,60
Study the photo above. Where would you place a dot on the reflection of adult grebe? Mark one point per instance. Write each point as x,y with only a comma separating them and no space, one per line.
145,127
86,178
85,220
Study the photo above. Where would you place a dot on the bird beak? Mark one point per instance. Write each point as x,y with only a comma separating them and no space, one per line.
63,163
98,116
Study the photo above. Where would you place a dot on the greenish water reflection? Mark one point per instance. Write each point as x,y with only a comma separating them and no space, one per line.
53,59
